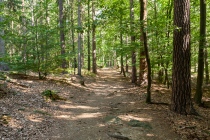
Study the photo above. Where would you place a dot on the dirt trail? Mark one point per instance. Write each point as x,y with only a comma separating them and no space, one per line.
106,109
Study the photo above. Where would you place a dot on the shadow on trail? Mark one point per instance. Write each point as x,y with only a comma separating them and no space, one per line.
109,107
107,111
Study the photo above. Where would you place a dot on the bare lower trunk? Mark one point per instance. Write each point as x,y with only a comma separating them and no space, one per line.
181,76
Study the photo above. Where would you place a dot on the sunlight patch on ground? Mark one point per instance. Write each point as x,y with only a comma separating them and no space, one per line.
101,125
29,81
10,122
63,117
68,102
78,107
130,117
98,86
146,108
150,135
33,119
132,102
87,115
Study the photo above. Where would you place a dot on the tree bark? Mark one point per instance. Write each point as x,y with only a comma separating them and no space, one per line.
169,16
143,20
126,57
181,75
2,45
79,39
143,63
133,38
206,63
23,28
73,37
62,34
202,45
88,36
121,46
94,67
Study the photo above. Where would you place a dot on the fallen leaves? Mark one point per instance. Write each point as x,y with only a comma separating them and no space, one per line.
25,114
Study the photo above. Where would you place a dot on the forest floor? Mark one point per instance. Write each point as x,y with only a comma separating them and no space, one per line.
108,107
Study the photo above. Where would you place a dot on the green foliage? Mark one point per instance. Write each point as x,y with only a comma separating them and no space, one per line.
49,94
33,42
3,76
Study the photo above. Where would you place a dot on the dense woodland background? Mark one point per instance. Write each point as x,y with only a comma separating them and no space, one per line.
69,36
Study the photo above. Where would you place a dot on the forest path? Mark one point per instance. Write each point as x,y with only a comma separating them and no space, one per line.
106,109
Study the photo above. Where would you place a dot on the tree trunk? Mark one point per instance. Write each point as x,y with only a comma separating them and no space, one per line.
121,45
79,39
94,67
159,47
73,36
181,76
143,63
143,20
82,37
169,15
88,35
126,58
202,45
2,46
206,63
23,28
62,35
133,52
46,53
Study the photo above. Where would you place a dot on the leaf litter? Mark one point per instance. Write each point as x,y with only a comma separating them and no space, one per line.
105,108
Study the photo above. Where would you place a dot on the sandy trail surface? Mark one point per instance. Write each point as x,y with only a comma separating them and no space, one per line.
108,107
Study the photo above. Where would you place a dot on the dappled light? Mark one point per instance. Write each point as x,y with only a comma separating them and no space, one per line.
104,70
78,107
11,122
150,135
105,108
62,117
87,116
130,117
35,119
